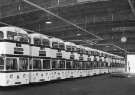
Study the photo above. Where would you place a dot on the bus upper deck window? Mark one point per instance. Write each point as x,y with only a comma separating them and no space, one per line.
46,43
78,50
1,63
55,45
62,46
37,41
1,35
21,38
81,51
74,49
24,38
11,35
68,48
84,51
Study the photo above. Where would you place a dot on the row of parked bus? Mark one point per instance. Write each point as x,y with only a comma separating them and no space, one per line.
29,58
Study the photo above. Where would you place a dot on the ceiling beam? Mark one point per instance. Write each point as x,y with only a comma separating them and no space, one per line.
11,8
131,2
65,20
105,27
85,19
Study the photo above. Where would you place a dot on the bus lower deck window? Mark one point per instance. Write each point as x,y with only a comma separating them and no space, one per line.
23,63
46,64
11,64
1,63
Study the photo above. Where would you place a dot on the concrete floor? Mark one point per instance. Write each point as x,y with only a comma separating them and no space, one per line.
97,85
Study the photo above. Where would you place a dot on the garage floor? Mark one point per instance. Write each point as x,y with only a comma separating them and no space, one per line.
97,85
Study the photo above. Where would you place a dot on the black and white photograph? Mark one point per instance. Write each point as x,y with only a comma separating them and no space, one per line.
67,47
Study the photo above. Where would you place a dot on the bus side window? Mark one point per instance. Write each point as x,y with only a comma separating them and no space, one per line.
11,35
80,65
54,64
74,48
62,46
1,64
69,65
46,64
46,43
88,65
23,64
30,64
68,48
61,64
75,64
37,64
1,35
11,64
23,37
84,65
37,41
55,45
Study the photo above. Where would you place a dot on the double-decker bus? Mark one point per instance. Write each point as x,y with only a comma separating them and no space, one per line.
29,58
41,57
14,56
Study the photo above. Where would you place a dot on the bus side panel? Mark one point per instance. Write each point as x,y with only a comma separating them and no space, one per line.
3,81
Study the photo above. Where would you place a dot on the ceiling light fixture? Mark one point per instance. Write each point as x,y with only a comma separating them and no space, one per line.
123,39
107,46
48,22
78,34
115,49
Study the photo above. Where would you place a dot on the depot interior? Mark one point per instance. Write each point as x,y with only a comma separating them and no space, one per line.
106,25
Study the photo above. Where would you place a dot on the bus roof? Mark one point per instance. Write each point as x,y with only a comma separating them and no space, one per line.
13,29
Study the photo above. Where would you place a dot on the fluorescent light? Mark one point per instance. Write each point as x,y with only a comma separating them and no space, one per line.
107,46
78,34
114,49
123,39
48,22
